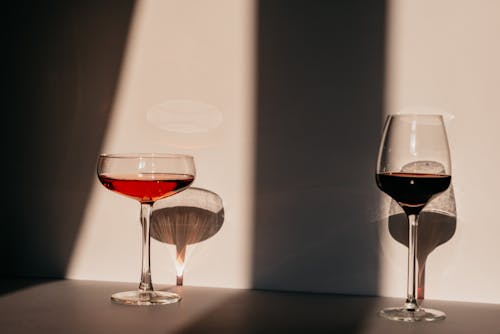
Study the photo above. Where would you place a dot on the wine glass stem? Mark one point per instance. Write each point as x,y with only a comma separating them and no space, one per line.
146,284
411,302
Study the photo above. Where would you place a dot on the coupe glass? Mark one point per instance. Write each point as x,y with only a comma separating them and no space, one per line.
411,147
146,177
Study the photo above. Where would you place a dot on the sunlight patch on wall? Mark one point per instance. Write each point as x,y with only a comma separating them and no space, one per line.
186,86
442,57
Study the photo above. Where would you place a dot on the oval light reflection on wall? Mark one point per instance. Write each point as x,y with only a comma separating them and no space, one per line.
185,116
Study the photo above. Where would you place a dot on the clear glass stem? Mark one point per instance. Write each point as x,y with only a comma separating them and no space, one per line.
411,302
146,283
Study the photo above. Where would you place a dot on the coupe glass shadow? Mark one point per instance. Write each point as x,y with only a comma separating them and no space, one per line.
189,218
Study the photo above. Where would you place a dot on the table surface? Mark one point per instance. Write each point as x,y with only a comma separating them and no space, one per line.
70,306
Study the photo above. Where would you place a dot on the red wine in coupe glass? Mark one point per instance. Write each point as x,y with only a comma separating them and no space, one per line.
146,177
146,187
412,190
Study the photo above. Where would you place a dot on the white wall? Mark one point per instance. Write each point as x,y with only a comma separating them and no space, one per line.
199,52
440,55
444,55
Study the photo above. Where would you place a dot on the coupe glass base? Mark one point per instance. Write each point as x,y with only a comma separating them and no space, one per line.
145,298
420,314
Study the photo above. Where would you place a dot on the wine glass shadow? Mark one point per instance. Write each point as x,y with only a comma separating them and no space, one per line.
437,224
192,216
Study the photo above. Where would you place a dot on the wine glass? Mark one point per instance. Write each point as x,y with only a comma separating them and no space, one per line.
193,216
410,148
146,177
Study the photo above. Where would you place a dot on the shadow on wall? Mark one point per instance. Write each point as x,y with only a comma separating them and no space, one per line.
188,218
320,94
63,64
437,224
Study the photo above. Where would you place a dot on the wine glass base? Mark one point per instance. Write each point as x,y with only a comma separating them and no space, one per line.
420,314
145,298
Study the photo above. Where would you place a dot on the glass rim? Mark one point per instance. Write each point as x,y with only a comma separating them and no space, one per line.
415,115
144,155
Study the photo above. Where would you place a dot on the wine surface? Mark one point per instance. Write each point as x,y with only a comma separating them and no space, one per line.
412,190
146,187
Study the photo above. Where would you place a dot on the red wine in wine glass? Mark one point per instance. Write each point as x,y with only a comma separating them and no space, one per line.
412,190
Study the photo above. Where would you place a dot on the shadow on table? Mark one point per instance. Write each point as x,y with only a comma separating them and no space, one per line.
9,285
277,312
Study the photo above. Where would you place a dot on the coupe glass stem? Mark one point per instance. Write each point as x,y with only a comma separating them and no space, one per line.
411,302
146,284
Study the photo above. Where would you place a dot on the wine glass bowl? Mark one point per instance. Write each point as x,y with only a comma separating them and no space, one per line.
146,178
413,167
